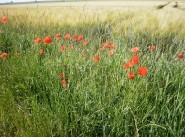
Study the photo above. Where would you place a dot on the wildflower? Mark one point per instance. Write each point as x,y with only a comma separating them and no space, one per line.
58,36
62,48
128,65
130,75
80,37
135,60
64,83
4,19
67,36
47,40
96,58
180,56
37,41
75,37
105,45
4,55
84,42
41,51
152,48
109,45
135,50
143,71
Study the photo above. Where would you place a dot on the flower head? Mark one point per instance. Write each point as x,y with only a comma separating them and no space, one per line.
96,58
74,37
134,60
37,41
4,55
180,56
48,40
4,19
67,36
151,48
64,83
62,48
143,71
130,75
41,51
80,37
135,50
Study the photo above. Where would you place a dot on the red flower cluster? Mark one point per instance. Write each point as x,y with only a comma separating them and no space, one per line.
142,71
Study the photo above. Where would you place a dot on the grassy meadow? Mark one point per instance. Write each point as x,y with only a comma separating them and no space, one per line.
84,82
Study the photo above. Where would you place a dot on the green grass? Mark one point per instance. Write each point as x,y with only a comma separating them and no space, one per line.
100,100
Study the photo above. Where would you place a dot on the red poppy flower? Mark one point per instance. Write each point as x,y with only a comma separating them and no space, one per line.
104,45
130,75
85,42
96,58
109,45
4,55
67,36
4,19
180,56
135,60
80,37
37,41
41,51
152,48
75,37
135,50
143,71
128,65
62,48
64,83
47,40
58,36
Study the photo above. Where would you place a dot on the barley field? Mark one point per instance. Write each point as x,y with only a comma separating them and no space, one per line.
86,69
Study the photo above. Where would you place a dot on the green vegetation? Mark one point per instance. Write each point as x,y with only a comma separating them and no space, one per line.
99,99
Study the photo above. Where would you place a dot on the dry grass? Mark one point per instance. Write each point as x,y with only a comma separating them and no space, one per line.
121,14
